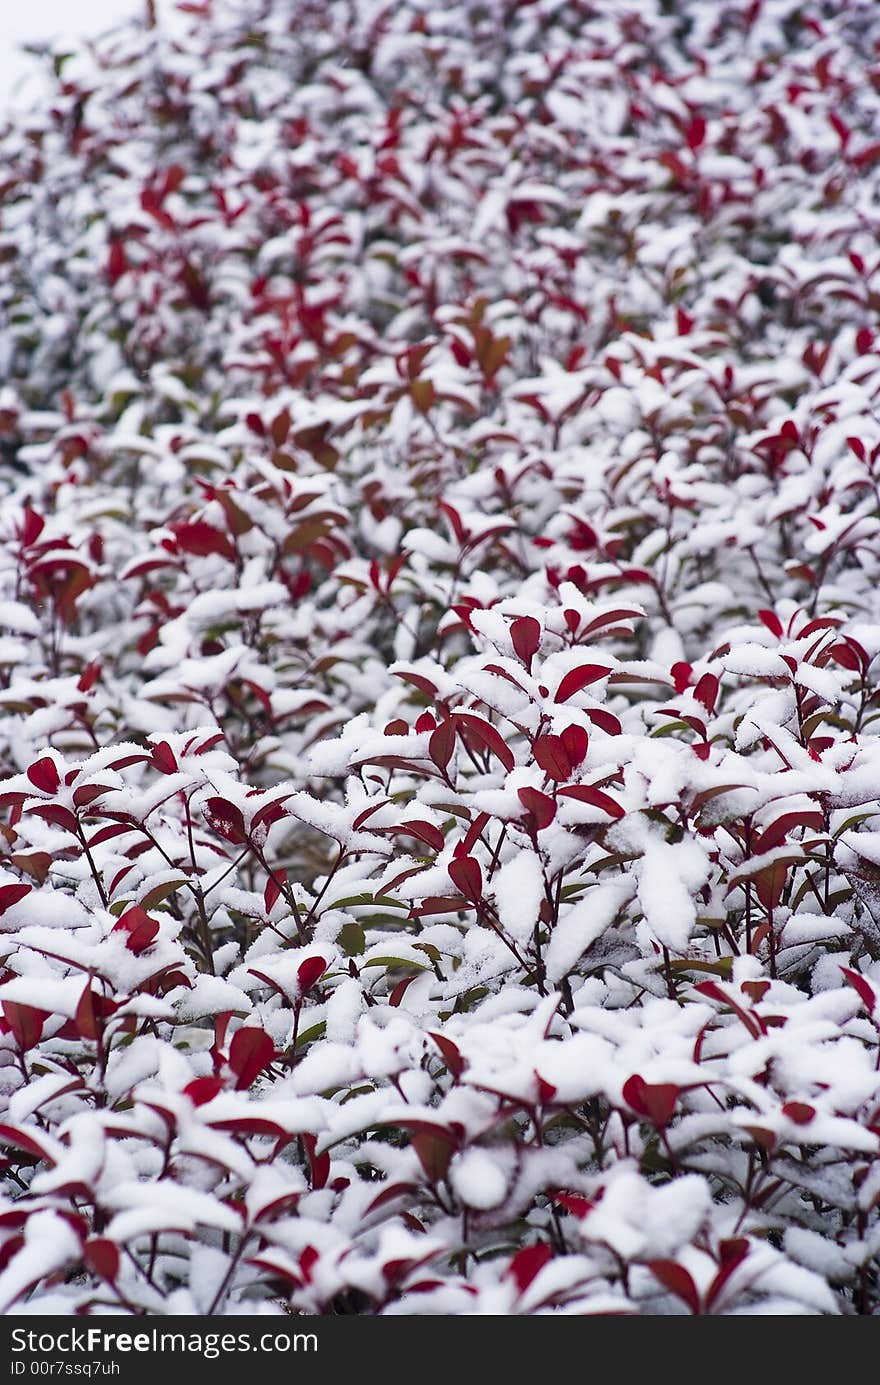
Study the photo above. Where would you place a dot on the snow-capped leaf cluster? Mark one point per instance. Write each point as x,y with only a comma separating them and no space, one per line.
439,619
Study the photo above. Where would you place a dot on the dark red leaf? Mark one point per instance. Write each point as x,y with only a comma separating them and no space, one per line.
575,743
578,678
250,1052
772,621
695,134
32,527
681,676
863,988
732,1253
25,1022
26,1140
55,814
271,892
423,832
706,691
43,774
86,1019
310,972
654,1100
399,991
527,1264
390,1194
163,758
202,539
487,735
11,894
551,756
574,1203
466,876
606,721
540,805
140,927
472,836
102,1256
203,1089
585,793
319,1164
526,635
676,1279
441,743
435,1150
776,833
226,820
451,1054
800,1112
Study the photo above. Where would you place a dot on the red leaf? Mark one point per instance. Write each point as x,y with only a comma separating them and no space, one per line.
585,793
423,832
462,535
843,654
527,1264
777,831
770,883
43,774
676,1279
732,1252
540,805
799,1112
434,1150
32,527
202,539
141,929
578,678
574,1203
163,758
390,1194
86,1020
654,1100
25,1022
526,636
550,755
863,988
399,991
11,894
575,743
695,133
310,972
203,1089
102,1256
26,1140
441,743
226,820
681,676
250,1052
117,262
56,815
438,904
466,876
451,1054
706,691
772,621
606,721
488,735
319,1167
271,893
472,836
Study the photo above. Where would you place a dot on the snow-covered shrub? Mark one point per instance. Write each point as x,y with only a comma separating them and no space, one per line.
438,673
